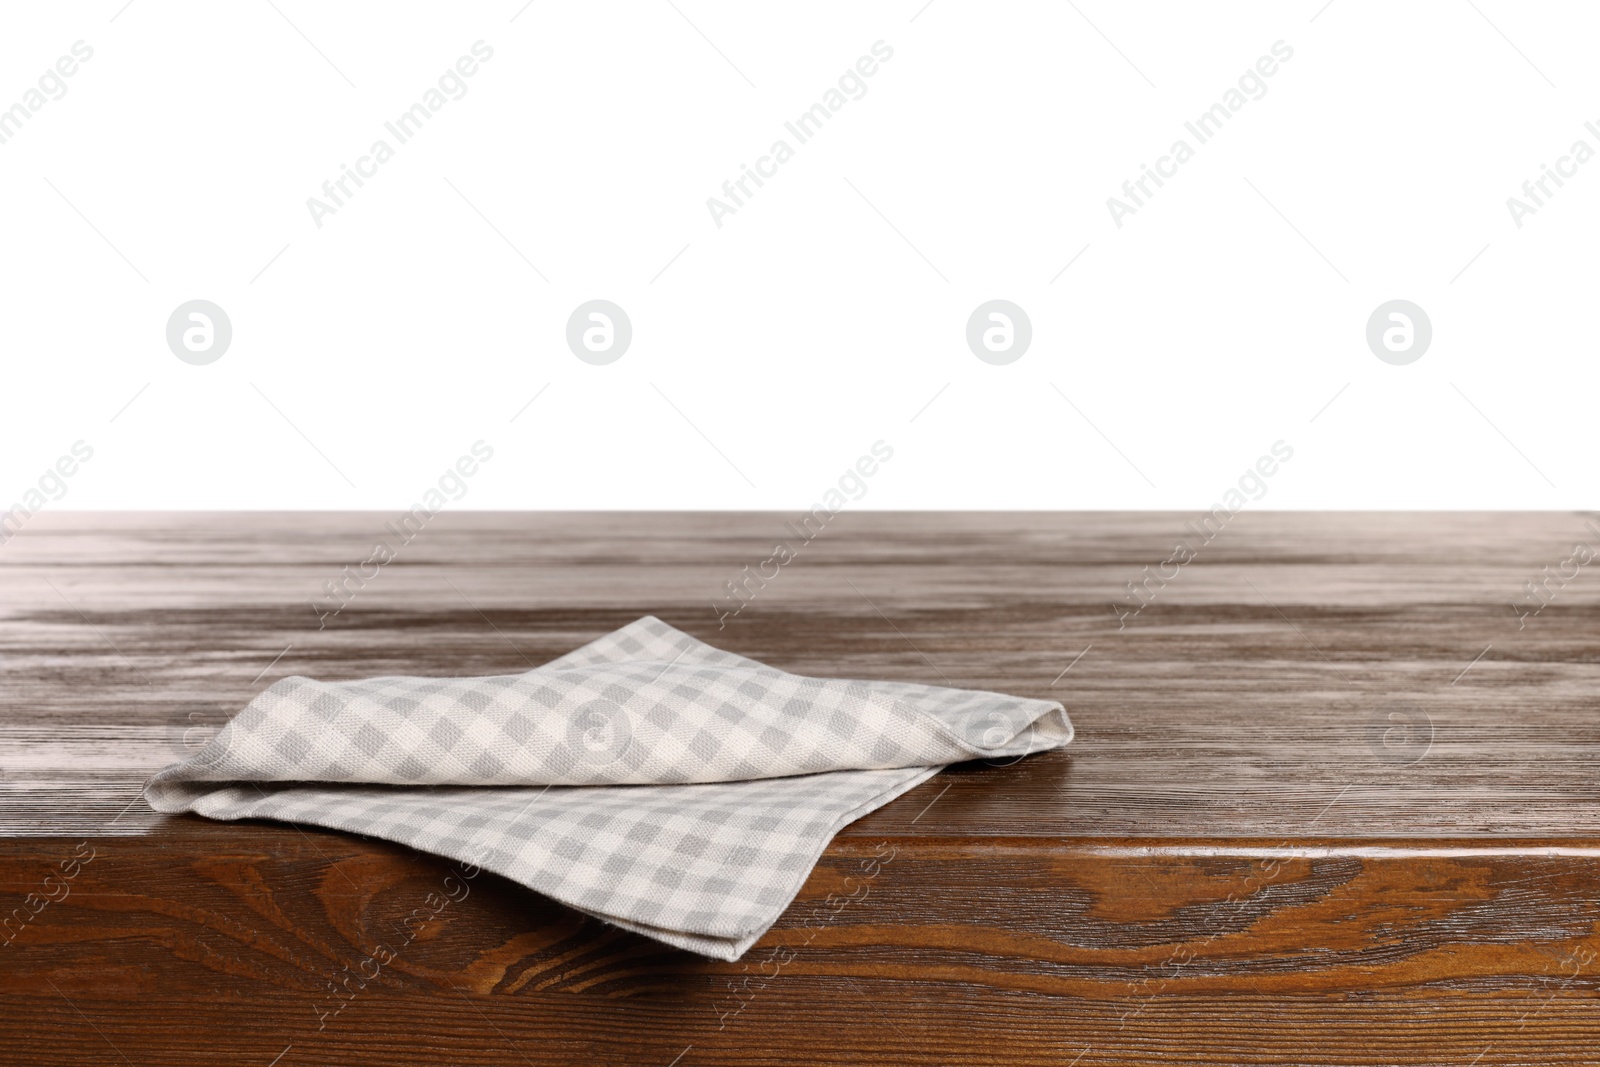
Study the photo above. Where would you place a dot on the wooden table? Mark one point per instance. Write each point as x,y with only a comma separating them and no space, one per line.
1332,800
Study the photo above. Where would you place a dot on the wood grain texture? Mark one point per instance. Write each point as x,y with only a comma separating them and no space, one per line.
1329,802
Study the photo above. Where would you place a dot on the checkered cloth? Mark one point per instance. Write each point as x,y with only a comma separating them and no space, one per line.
647,778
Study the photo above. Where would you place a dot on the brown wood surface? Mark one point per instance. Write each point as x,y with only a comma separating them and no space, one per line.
1328,802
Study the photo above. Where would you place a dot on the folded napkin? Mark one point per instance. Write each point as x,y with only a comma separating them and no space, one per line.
647,779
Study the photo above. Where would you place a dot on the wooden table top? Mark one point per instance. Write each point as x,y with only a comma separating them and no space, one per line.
1333,768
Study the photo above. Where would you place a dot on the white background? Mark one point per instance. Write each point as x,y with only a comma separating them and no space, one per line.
831,309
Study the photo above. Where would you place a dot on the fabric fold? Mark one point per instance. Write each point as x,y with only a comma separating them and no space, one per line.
647,778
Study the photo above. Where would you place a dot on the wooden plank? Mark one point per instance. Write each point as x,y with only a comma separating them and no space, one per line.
899,950
1332,801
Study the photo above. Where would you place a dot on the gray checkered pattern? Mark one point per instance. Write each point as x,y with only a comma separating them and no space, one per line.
647,778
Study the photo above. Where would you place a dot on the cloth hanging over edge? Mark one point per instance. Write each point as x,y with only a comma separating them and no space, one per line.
646,778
